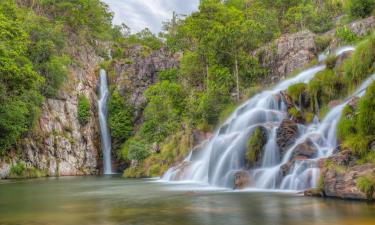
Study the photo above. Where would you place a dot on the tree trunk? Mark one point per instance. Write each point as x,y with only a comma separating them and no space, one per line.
237,80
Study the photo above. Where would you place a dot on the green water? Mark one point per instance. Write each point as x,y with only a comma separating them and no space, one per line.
113,200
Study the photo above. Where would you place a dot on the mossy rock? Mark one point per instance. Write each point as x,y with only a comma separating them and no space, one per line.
255,145
298,93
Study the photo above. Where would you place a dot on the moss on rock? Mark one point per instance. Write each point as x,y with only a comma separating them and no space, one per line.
255,145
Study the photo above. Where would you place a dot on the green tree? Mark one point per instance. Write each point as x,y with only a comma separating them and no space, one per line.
120,119
361,8
83,109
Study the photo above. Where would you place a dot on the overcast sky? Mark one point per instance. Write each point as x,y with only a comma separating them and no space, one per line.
138,14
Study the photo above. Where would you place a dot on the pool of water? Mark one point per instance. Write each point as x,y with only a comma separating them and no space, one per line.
112,200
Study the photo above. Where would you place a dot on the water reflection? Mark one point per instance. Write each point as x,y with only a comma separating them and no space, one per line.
115,201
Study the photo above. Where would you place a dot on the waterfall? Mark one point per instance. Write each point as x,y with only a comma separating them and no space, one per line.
103,114
224,155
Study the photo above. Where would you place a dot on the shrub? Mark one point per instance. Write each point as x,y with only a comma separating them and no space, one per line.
296,92
346,35
361,63
358,144
366,184
366,112
83,110
361,8
169,75
322,42
137,150
346,125
120,119
20,170
331,61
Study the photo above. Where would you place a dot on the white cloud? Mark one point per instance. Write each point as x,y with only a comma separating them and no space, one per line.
138,14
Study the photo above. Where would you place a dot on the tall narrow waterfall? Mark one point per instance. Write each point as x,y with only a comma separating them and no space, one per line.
103,114
224,155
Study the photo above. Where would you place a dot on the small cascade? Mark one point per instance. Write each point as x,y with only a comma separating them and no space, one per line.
103,114
224,155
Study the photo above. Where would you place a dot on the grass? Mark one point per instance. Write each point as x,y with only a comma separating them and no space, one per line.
366,184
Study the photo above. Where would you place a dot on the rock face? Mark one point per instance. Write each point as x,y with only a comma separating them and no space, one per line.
59,145
359,27
286,134
241,180
287,54
134,76
344,184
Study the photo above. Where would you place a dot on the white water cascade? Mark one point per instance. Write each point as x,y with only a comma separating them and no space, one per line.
103,114
224,154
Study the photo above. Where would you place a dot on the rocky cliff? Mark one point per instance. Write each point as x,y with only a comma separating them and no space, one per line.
287,54
133,76
59,144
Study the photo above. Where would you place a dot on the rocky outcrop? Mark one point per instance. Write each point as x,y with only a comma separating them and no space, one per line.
59,144
305,150
286,134
287,54
343,184
241,180
359,27
133,76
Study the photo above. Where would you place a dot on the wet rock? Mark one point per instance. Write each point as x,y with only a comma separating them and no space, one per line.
287,99
353,102
286,134
314,192
242,180
305,150
200,136
334,103
180,170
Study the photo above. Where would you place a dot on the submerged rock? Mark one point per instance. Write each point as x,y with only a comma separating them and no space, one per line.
242,180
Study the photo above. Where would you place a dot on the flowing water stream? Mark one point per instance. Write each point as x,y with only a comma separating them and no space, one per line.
103,115
224,155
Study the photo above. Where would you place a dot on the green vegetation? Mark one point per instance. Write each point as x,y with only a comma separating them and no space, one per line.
21,170
361,8
35,58
367,185
83,110
137,150
255,145
216,70
120,120
345,35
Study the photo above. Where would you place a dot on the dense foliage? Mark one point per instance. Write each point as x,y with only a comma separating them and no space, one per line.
216,70
34,58
83,110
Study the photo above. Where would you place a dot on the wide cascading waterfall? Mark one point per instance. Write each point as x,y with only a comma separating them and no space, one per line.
224,154
103,114
323,137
